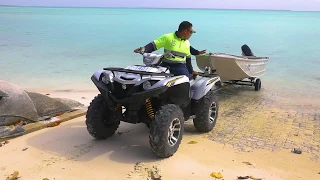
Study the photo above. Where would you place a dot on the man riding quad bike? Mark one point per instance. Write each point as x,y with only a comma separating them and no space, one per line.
151,94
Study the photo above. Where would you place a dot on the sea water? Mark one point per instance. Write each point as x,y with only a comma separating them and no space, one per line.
60,48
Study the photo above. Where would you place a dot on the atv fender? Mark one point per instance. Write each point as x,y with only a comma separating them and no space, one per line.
203,85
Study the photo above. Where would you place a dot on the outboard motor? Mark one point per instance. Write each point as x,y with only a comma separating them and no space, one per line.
246,51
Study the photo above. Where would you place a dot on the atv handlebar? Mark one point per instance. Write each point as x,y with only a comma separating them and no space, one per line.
142,50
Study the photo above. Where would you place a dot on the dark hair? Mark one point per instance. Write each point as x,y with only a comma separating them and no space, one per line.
184,25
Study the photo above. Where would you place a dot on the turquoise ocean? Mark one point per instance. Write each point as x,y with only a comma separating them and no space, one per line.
60,48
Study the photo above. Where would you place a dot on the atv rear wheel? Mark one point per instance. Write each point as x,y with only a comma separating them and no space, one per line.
166,130
101,124
206,111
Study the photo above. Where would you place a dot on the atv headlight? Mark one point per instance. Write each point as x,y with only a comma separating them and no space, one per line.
107,78
146,85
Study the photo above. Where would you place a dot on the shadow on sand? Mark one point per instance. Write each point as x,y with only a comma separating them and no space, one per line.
71,141
129,145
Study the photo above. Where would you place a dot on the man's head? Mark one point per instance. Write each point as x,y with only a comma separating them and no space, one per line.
185,30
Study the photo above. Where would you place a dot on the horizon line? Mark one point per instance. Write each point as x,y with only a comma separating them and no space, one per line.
176,8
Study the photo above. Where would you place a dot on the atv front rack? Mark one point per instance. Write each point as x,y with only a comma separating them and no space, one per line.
137,72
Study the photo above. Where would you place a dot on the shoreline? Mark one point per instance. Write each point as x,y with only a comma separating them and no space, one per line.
82,96
84,83
293,96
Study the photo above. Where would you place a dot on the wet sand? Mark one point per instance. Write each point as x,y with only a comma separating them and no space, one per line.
256,127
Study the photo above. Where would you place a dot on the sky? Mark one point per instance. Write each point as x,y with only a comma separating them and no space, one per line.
298,5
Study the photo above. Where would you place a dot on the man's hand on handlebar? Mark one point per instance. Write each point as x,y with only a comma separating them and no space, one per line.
195,74
139,50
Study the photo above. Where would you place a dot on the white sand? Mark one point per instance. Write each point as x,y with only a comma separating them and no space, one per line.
69,152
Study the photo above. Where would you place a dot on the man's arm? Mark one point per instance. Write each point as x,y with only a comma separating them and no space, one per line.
189,64
158,43
150,47
193,51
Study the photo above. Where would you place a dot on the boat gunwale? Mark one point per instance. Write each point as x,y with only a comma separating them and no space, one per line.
238,58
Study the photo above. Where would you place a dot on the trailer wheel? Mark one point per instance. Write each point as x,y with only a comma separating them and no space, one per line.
257,85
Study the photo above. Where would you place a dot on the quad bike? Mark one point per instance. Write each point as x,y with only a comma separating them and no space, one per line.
150,94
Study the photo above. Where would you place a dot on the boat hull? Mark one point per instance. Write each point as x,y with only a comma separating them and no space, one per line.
231,67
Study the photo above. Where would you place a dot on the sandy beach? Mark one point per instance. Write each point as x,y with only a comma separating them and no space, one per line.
252,138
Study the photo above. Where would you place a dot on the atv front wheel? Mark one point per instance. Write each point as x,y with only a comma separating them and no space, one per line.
166,130
206,111
99,120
